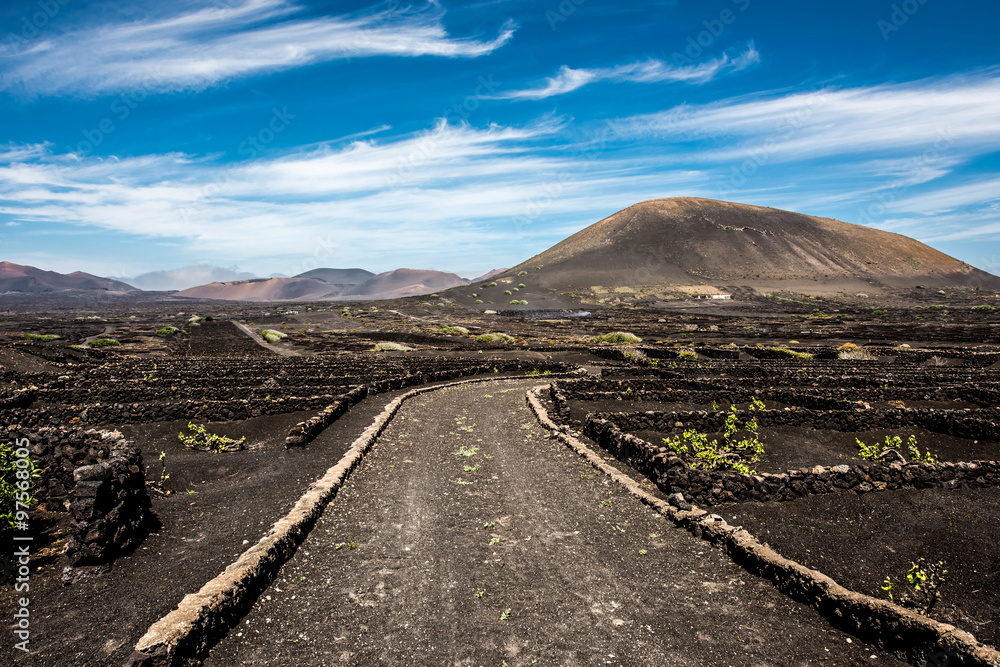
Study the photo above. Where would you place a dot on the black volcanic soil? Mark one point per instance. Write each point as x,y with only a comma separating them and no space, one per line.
97,620
861,539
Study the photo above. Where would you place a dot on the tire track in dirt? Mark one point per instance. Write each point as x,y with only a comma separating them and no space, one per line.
465,510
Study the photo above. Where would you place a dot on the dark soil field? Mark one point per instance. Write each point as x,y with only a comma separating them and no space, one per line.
588,573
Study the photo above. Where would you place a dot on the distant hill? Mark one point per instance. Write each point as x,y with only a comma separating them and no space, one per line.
692,241
263,289
186,277
28,279
488,275
403,282
338,276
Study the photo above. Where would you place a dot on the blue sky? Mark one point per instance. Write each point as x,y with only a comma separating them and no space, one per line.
275,136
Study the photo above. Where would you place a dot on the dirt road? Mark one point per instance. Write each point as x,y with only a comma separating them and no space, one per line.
469,538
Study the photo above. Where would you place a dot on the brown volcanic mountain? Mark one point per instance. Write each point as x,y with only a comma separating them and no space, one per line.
403,282
19,278
263,289
689,241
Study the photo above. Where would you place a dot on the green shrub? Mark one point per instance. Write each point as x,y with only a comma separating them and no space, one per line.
272,336
453,330
616,337
390,347
10,475
478,301
492,284
507,292
790,353
984,307
169,331
522,273
494,338
201,439
688,355
878,313
730,454
521,285
518,302
924,581
894,445
102,342
40,338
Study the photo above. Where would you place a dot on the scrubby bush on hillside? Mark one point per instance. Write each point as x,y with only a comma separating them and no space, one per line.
494,338
272,336
390,347
616,337
40,338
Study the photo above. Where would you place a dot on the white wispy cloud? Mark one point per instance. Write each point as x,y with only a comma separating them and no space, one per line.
951,115
198,48
399,197
647,71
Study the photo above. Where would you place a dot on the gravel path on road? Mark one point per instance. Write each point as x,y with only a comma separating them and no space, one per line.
467,537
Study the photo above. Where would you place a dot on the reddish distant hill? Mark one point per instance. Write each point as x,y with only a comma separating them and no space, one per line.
403,282
19,278
486,276
263,289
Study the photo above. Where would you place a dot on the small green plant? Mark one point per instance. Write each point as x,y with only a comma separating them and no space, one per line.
730,454
390,347
478,301
159,485
169,331
893,446
616,337
453,329
40,338
494,541
489,524
924,586
505,614
492,285
201,439
642,552
507,292
518,302
103,342
272,336
494,338
467,451
13,472
521,285
985,306
480,593
688,355
522,273
878,313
